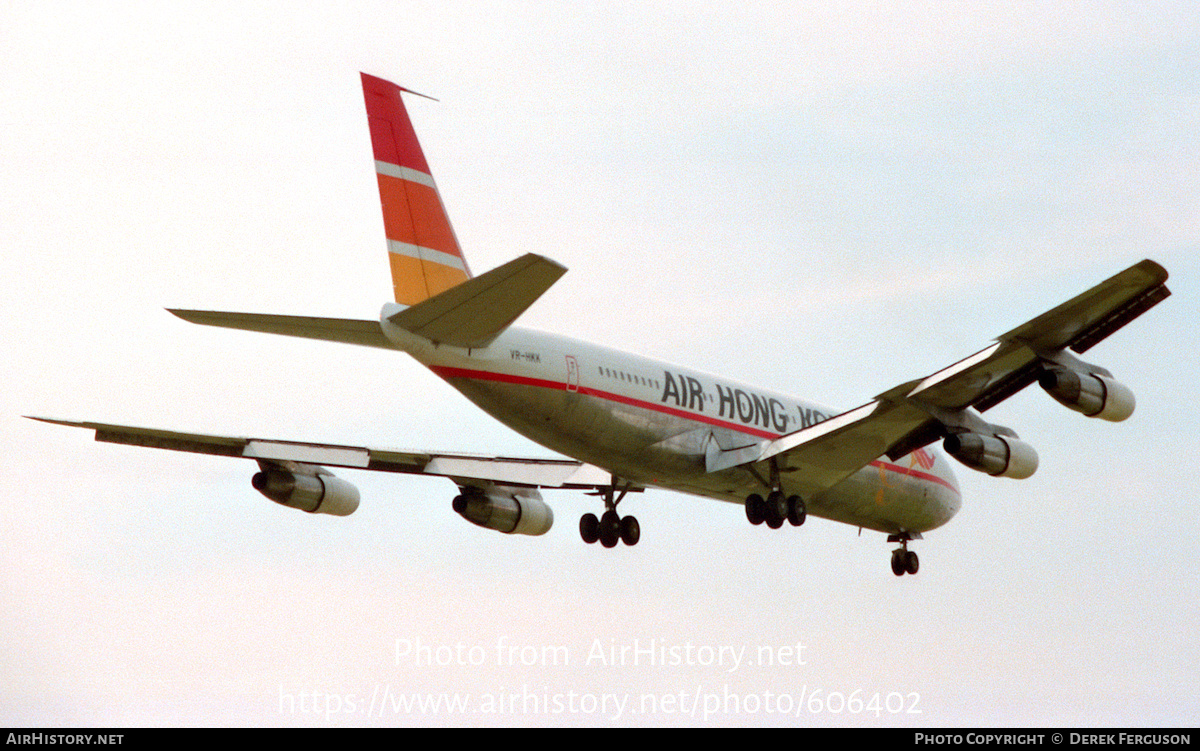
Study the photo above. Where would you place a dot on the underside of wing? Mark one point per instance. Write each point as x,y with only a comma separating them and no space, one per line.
495,492
530,472
946,404
1019,356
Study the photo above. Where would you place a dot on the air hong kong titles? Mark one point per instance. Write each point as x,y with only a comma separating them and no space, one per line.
745,407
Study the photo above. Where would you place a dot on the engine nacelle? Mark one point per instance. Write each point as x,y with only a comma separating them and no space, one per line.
1093,395
308,488
514,511
1000,456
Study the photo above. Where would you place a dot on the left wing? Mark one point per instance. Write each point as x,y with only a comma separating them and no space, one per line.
947,403
496,492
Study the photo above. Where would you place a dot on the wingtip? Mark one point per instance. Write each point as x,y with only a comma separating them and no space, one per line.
191,316
367,77
1154,269
56,421
531,259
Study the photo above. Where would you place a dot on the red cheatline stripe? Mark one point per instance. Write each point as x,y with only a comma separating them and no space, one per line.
484,375
911,472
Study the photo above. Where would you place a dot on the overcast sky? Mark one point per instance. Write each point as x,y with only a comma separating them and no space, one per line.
825,198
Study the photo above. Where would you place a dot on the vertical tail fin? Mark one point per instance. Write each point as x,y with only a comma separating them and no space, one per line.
423,251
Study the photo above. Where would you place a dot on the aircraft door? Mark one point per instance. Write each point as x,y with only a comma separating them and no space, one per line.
572,374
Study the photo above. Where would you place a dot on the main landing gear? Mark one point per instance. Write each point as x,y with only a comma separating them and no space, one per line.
775,509
904,561
610,528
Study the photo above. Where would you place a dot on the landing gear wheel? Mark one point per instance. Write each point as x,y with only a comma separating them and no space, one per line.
756,509
911,563
589,528
776,509
905,561
631,531
796,510
610,529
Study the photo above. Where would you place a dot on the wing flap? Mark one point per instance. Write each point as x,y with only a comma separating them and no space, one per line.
307,453
818,460
540,473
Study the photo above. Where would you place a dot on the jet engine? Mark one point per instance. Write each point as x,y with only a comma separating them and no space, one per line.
514,511
1091,394
999,456
308,488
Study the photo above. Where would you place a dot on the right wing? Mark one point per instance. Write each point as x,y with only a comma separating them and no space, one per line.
947,403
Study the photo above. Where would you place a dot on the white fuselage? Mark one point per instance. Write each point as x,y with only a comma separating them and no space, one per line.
649,422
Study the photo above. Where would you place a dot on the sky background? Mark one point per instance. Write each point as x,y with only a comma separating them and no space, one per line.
823,198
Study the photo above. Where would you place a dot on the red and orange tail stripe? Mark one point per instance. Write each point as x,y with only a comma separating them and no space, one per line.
422,248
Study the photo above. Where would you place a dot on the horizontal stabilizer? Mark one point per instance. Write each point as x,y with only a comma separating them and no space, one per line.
348,331
478,310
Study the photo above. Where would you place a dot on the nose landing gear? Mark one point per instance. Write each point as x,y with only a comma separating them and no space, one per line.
904,561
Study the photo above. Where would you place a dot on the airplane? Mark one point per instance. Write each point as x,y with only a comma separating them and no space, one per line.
624,423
